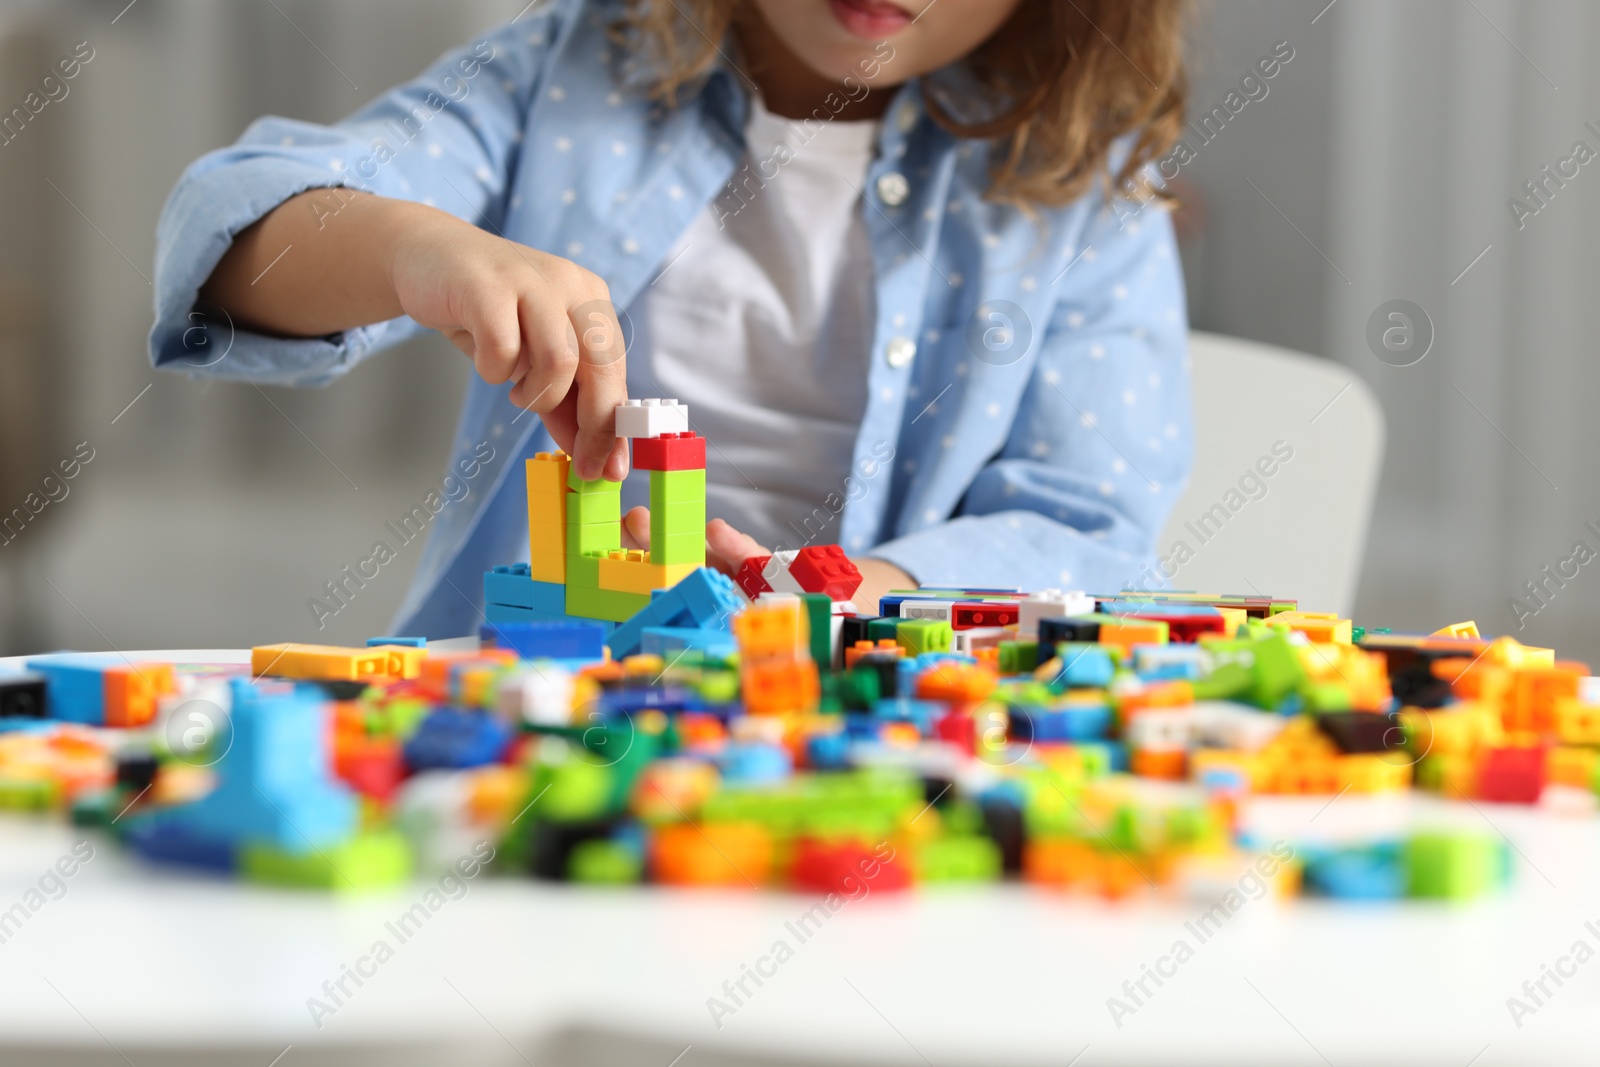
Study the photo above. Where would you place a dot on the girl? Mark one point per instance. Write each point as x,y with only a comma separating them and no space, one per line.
897,256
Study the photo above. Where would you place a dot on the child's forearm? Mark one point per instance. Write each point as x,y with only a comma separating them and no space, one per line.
319,264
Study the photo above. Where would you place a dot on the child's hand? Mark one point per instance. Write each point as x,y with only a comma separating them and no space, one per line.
523,316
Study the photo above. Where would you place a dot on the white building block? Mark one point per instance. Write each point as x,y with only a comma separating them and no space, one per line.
651,418
1050,604
539,696
1160,729
938,610
967,642
1224,724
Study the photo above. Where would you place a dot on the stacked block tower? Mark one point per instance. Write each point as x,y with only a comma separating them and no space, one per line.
577,566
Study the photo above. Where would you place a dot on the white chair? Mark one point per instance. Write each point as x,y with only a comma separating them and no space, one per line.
1299,531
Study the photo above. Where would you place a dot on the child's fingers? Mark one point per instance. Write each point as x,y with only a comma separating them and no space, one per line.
550,349
494,341
602,384
636,529
727,548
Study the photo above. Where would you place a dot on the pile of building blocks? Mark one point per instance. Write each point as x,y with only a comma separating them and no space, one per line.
640,718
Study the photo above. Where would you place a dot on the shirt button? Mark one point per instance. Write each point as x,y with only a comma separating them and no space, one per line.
900,351
893,188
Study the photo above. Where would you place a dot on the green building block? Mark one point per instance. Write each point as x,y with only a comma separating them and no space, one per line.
819,613
1226,682
583,571
589,508
881,629
98,807
592,602
953,860
1018,657
599,862
917,636
576,789
369,861
1453,866
677,518
584,538
667,487
20,793
678,548
599,485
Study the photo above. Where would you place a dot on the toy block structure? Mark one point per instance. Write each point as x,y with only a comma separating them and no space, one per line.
577,567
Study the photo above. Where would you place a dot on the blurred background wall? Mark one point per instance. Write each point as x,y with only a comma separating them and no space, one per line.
1378,167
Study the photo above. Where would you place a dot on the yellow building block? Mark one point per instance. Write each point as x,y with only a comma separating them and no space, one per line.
1232,619
632,572
547,506
548,567
330,663
1319,626
1372,773
1577,723
1566,765
1458,629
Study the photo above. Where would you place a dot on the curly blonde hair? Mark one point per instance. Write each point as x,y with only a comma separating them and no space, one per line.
1063,80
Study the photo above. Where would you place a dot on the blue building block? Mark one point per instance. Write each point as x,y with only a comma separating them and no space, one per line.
566,639
1371,872
755,762
512,587
166,840
1158,663
505,613
666,698
75,684
666,641
705,599
1076,723
1136,606
450,738
1084,665
409,642
920,713
273,780
828,752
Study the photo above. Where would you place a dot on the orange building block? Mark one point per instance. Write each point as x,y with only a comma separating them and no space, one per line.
1535,693
132,691
773,687
957,683
885,644
1124,633
731,854
773,629
1167,764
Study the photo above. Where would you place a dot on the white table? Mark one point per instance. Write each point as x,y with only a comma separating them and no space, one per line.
138,965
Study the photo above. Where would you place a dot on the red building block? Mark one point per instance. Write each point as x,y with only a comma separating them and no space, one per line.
826,569
1512,775
750,576
848,868
670,452
972,616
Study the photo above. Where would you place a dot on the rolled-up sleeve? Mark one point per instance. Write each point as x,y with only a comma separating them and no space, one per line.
449,138
1102,442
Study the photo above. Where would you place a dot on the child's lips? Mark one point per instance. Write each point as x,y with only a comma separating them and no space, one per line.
872,19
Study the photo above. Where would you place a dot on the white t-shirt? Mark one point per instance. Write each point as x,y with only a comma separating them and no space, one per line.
763,325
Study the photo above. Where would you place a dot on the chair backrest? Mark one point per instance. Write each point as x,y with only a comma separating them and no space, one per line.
1287,453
